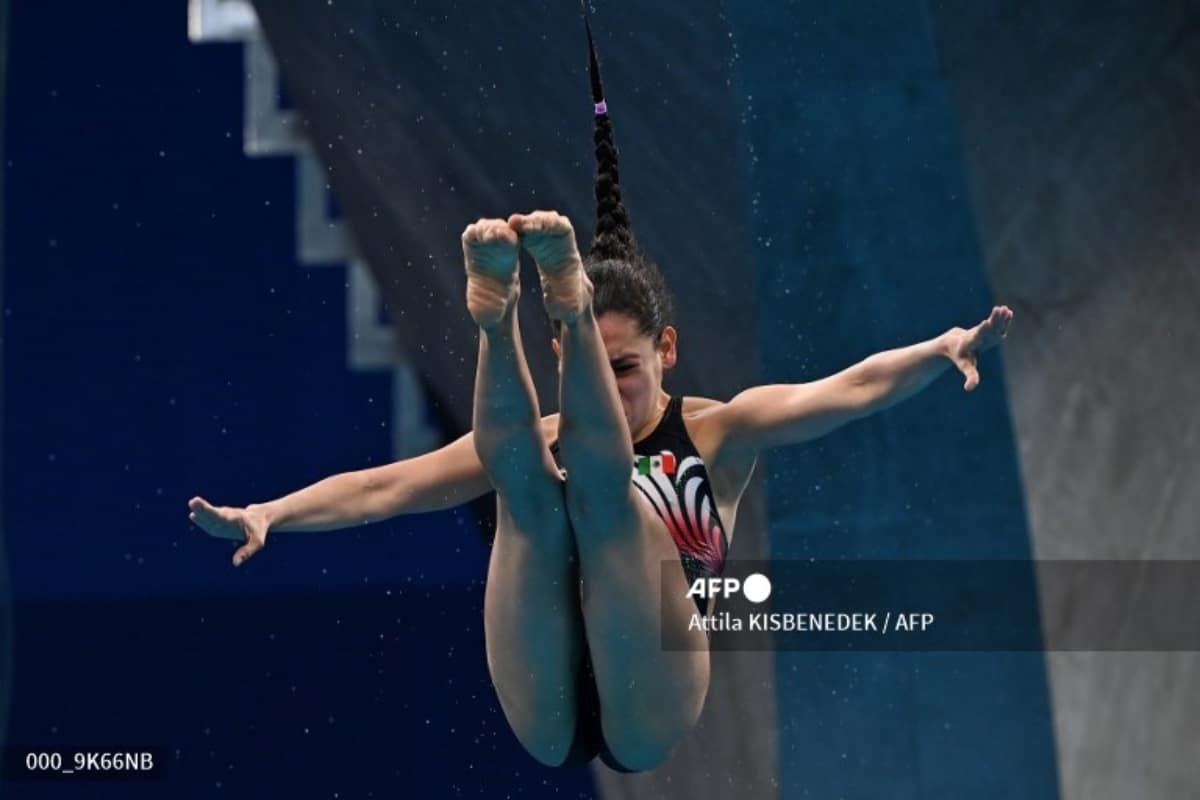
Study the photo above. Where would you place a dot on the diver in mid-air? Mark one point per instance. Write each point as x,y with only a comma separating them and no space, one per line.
593,499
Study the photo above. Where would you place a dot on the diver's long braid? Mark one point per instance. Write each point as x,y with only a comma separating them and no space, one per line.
613,237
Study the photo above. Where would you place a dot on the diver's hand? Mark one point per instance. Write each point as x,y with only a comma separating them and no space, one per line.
963,345
248,525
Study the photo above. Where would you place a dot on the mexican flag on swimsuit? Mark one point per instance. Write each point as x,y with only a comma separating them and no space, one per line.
677,486
670,473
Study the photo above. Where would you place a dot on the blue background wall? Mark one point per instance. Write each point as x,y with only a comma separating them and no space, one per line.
864,240
162,342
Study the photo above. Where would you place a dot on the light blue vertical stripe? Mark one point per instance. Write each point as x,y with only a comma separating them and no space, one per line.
864,240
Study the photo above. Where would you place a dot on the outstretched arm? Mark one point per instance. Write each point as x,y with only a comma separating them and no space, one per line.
439,479
780,414
443,478
436,480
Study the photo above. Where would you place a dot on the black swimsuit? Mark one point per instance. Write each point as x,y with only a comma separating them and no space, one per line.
669,472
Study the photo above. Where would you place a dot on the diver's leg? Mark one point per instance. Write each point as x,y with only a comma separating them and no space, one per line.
532,624
650,697
533,631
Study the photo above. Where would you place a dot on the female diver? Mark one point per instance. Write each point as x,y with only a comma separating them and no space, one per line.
574,588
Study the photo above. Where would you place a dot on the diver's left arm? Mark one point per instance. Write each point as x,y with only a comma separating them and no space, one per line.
780,414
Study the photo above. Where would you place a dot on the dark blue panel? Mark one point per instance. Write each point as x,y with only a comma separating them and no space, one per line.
161,341
330,694
864,241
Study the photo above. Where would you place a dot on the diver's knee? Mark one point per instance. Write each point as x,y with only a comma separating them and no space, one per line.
531,502
603,509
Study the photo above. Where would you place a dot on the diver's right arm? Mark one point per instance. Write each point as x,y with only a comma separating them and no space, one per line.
437,480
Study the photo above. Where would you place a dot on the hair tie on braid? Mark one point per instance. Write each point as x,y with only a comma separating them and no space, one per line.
623,278
613,235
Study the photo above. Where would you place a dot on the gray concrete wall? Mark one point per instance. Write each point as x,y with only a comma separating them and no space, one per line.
1080,128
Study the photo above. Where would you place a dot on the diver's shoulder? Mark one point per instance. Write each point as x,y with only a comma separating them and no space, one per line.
701,416
729,467
698,406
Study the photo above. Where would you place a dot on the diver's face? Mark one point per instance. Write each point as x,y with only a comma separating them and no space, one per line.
637,365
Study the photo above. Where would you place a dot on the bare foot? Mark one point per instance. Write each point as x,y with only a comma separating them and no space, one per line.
490,251
550,239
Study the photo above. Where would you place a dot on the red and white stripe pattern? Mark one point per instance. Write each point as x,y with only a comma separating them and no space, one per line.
686,506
